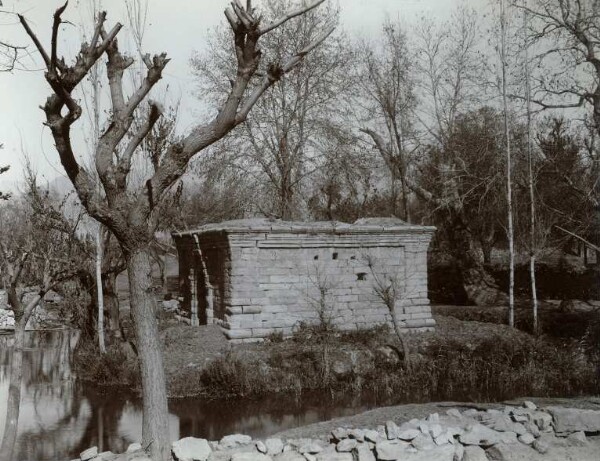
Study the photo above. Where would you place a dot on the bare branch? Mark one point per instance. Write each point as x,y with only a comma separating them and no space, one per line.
292,14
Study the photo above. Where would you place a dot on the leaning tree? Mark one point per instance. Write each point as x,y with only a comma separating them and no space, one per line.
133,216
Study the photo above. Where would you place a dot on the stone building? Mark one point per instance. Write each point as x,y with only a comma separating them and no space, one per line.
257,277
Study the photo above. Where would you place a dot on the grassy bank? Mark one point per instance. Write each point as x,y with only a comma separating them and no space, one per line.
461,360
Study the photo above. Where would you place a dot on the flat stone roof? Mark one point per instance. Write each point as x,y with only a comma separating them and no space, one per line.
261,225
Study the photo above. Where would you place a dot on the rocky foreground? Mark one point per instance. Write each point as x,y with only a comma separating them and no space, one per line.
514,433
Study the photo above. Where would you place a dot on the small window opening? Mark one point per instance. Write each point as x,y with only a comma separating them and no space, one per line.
316,257
361,276
334,256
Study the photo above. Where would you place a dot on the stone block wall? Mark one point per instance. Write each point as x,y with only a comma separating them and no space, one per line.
258,277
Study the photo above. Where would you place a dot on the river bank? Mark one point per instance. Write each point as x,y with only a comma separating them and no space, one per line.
464,360
521,431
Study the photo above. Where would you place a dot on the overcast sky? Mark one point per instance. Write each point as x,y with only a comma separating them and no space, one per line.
177,27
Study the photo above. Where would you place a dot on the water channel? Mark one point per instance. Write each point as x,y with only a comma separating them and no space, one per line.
60,416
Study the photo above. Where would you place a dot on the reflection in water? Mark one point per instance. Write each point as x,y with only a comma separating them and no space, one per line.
60,417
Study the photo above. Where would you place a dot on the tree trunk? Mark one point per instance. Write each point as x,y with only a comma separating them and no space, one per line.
486,250
155,427
479,285
402,339
509,230
14,393
100,297
111,301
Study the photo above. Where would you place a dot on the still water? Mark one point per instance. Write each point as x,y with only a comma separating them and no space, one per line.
61,417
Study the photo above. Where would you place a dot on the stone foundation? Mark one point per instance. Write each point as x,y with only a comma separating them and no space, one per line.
259,277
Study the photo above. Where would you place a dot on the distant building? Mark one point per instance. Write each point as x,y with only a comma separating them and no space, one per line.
257,277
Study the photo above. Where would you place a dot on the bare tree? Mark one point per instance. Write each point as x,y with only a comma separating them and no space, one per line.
390,288
37,251
387,82
133,217
285,139
507,144
566,35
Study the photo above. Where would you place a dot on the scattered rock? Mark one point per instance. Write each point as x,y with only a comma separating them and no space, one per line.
577,438
290,456
191,449
339,433
134,447
529,405
474,453
274,446
388,450
88,454
363,453
345,446
541,446
391,430
261,447
230,441
527,438
371,435
575,420
408,434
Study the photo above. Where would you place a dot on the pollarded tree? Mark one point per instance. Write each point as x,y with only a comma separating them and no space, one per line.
133,217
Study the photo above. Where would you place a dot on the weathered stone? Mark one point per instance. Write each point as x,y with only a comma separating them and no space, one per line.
310,457
339,433
541,446
358,434
261,447
312,446
88,454
391,430
504,452
133,447
262,275
542,420
371,435
250,457
346,446
577,438
408,434
474,453
234,440
274,446
529,405
433,418
527,438
363,453
478,434
190,449
435,430
423,442
443,453
575,420
454,412
532,428
459,452
106,456
389,450
289,456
